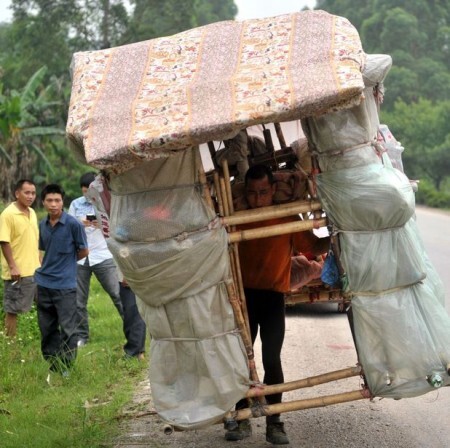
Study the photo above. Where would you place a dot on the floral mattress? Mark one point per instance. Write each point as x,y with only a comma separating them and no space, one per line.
143,101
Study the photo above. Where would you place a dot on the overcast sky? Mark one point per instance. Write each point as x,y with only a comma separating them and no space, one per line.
5,13
248,9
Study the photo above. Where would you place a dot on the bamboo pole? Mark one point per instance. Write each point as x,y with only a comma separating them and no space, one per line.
218,193
280,135
226,175
240,305
223,193
240,283
279,229
246,339
313,296
274,211
306,382
289,406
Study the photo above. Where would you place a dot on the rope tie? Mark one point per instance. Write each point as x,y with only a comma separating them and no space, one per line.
215,336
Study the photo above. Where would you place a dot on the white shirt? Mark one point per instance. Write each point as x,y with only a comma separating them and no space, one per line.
98,249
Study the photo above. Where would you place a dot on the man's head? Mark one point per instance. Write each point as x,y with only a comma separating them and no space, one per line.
52,197
259,186
25,193
85,180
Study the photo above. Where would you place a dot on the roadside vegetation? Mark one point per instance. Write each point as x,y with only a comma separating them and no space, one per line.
81,411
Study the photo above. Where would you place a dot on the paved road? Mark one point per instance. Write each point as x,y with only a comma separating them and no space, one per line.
318,340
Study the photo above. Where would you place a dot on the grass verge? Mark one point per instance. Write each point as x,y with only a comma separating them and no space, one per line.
80,411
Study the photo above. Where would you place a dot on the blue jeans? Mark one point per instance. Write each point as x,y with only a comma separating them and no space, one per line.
133,325
57,319
106,274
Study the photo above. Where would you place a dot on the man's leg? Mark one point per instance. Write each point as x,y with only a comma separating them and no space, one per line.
272,329
133,325
106,273
10,325
83,284
18,298
48,326
65,301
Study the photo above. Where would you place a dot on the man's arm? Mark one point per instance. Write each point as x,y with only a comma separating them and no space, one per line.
307,241
82,253
8,254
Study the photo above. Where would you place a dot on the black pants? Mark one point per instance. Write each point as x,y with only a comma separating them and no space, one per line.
266,311
133,325
57,318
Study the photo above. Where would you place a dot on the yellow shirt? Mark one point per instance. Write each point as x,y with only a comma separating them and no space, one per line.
22,233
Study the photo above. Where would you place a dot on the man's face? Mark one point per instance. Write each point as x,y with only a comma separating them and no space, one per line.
26,195
53,203
259,192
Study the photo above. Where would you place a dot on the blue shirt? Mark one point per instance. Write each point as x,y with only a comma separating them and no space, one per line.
61,244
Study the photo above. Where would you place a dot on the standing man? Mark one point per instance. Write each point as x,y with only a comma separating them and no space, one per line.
265,266
100,261
19,255
134,327
63,240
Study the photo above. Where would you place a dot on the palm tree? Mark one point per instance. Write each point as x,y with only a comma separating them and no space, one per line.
27,119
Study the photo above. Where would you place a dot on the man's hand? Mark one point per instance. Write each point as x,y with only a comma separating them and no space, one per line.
15,273
88,223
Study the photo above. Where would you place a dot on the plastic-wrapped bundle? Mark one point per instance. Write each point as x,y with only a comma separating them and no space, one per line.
403,341
194,376
379,261
155,215
393,148
175,258
359,157
372,197
198,262
401,328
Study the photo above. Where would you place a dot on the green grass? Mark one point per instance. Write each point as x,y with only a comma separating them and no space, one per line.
81,411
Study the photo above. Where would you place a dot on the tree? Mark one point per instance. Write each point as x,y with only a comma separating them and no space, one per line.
26,120
155,18
423,129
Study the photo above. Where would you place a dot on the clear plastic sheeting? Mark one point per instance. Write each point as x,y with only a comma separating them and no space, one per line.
156,215
401,328
409,340
358,157
393,148
379,261
174,254
187,272
207,384
379,197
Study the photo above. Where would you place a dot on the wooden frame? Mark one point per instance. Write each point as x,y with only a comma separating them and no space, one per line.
230,219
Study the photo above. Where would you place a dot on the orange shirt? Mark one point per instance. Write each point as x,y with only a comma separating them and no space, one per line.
266,262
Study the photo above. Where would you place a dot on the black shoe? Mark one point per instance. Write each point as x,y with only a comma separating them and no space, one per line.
276,434
243,430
